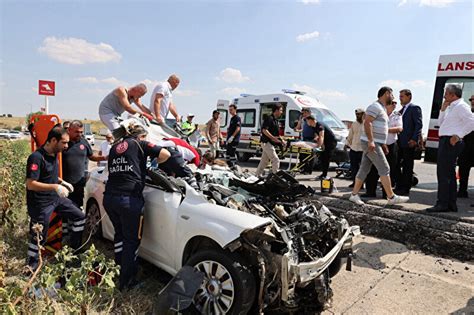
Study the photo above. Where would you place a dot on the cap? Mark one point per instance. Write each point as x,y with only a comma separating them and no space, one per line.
190,115
360,111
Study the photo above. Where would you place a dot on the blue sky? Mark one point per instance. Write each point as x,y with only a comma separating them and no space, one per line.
339,51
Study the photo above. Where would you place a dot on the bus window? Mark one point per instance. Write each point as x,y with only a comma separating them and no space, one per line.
247,116
223,117
294,118
328,118
467,85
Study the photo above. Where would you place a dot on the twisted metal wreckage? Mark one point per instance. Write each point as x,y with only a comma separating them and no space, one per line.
286,265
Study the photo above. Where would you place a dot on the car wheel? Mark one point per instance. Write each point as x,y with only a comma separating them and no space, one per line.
228,286
243,156
93,225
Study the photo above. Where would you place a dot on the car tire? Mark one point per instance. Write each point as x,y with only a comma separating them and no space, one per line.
239,283
243,156
93,224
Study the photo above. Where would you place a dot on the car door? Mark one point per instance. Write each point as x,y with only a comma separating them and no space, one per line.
159,227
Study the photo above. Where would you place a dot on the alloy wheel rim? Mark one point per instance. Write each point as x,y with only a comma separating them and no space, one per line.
216,295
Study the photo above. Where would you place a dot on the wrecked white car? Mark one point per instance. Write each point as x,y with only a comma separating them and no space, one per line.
277,252
262,245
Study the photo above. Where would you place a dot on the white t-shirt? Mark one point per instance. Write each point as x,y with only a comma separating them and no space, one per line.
394,121
187,154
105,149
163,88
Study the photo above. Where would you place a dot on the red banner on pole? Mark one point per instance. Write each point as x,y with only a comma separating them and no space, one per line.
46,88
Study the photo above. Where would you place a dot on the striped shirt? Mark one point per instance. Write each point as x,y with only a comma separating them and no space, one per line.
379,124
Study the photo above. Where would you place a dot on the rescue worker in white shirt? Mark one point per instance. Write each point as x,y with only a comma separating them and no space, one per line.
123,197
395,126
120,100
353,142
161,102
46,192
455,121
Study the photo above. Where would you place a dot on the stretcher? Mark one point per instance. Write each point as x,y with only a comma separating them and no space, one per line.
293,149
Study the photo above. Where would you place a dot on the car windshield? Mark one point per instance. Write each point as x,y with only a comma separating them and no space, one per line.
328,118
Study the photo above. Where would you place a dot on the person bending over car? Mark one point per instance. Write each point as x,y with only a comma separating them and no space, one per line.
123,198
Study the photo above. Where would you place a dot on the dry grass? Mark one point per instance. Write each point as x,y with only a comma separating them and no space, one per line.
12,122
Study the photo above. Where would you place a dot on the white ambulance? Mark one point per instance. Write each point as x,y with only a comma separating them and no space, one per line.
252,109
451,69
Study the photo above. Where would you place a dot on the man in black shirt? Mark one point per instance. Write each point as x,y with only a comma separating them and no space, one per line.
45,192
76,161
123,199
270,138
327,141
233,135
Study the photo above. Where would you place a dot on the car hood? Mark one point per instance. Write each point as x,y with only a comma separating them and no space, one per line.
226,222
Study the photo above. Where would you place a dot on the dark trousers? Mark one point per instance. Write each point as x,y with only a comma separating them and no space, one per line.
126,214
405,164
355,158
373,176
326,158
41,215
77,197
175,165
230,153
446,172
465,162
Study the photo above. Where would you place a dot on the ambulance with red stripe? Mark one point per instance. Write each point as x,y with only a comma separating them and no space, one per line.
252,109
451,69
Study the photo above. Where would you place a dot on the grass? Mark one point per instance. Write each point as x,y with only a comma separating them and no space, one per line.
12,122
14,239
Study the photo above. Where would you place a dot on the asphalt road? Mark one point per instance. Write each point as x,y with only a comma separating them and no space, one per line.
422,196
387,278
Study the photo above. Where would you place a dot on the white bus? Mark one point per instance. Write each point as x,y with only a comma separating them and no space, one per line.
253,108
451,69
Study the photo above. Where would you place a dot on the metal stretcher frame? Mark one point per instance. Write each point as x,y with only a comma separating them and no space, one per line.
290,151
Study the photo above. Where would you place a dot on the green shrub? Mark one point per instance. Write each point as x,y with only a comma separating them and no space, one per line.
13,156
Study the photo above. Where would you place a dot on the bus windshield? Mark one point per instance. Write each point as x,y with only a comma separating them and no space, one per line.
328,118
467,85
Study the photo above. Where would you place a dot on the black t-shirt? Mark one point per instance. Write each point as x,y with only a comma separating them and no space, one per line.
329,137
271,124
127,166
43,168
235,122
76,161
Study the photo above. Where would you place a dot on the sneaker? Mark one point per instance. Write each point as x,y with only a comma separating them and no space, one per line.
397,199
356,199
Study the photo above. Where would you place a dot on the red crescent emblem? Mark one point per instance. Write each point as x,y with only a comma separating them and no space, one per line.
82,147
34,167
151,145
121,147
